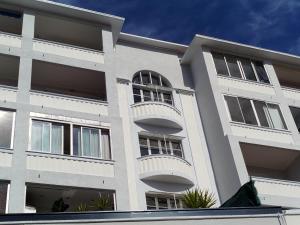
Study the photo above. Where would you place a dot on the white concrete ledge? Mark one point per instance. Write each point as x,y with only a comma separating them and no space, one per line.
69,51
10,40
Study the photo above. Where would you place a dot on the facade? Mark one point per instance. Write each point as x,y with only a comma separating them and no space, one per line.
88,111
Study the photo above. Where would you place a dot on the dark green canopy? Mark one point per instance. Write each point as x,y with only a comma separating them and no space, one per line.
245,197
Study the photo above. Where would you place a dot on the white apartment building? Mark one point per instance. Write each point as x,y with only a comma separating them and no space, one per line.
86,110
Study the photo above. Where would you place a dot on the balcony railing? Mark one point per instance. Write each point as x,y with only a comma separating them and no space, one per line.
10,40
165,168
267,187
261,133
63,102
69,51
69,164
157,113
246,85
8,94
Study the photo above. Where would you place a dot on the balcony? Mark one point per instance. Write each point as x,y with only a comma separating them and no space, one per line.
69,164
157,114
246,85
68,38
49,198
165,168
289,79
276,171
261,133
68,88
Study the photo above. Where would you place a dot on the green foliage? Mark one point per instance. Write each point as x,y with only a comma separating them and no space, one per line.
82,207
103,202
198,199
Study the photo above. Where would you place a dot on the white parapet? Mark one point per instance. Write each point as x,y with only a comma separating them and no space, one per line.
68,51
68,103
8,94
266,134
72,165
165,168
10,40
261,88
157,113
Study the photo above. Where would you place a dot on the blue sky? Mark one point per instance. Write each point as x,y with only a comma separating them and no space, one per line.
272,24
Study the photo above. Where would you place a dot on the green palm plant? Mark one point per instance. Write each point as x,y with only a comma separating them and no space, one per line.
197,198
103,202
82,207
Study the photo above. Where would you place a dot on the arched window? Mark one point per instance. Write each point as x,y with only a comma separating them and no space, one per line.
151,86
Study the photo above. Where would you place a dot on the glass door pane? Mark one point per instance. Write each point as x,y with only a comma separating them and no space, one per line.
76,141
234,109
247,111
262,113
6,122
86,142
46,137
248,70
154,148
233,67
95,143
36,136
276,117
56,139
220,64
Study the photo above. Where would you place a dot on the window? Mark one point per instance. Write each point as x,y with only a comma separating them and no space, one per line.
161,202
6,124
150,86
255,112
242,68
54,138
155,146
296,115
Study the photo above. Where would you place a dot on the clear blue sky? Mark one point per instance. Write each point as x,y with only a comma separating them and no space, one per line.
272,24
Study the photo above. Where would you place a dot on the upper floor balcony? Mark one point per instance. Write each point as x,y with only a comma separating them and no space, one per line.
289,79
154,101
68,88
10,27
69,38
276,172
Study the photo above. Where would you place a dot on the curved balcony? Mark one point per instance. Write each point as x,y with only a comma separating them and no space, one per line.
165,168
157,113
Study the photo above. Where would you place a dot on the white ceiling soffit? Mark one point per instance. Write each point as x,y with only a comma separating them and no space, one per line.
71,11
237,48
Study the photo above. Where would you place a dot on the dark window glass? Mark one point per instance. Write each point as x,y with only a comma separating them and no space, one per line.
76,140
67,139
168,98
154,147
164,82
147,95
247,111
162,203
177,149
296,116
234,109
248,70
155,80
150,202
3,197
143,146
137,95
261,72
136,79
165,147
262,113
146,78
233,67
157,96
220,64
6,122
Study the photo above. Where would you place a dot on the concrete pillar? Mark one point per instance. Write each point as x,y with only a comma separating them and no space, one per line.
17,195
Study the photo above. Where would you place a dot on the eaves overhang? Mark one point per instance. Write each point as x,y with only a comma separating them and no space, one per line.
115,22
202,41
153,43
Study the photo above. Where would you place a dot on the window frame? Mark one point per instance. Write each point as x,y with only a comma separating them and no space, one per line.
162,143
167,197
241,69
160,89
71,125
268,116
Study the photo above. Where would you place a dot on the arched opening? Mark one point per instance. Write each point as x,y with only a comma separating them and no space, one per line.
151,86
